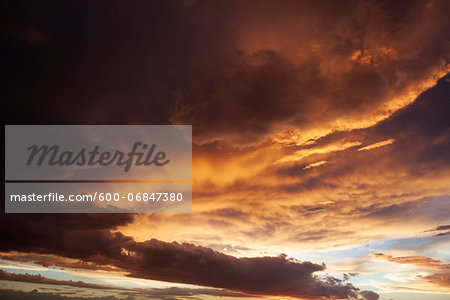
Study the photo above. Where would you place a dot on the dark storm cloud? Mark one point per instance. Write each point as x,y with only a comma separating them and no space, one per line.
199,265
185,263
64,234
107,62
302,65
246,95
236,70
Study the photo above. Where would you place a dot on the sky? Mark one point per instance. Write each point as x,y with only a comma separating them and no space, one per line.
321,147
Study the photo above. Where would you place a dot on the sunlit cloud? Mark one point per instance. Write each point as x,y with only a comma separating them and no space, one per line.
415,260
377,145
301,154
316,164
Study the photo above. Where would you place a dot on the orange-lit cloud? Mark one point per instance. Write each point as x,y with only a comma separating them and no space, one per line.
377,145
441,277
316,164
301,154
358,196
415,260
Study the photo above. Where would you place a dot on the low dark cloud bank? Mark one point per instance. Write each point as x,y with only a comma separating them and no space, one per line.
174,262
36,295
160,293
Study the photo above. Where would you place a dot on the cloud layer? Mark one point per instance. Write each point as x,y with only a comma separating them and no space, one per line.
174,262
316,67
317,126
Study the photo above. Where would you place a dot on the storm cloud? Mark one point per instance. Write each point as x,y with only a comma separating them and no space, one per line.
184,263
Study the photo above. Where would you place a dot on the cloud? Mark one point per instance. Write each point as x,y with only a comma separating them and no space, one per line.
30,34
440,230
295,72
187,263
49,260
165,293
61,233
263,81
245,198
199,265
415,260
369,295
35,294
90,238
43,280
441,278
238,71
316,164
304,153
443,227
174,262
376,145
